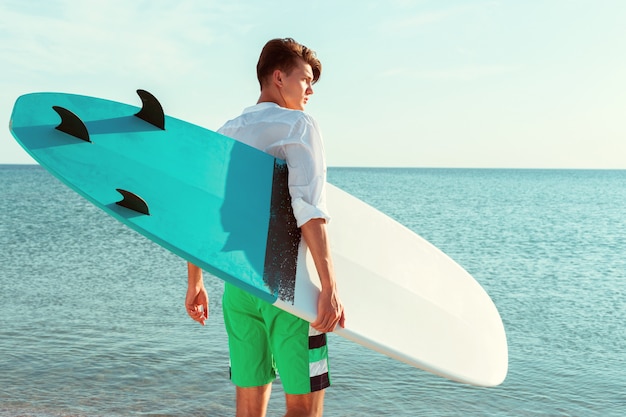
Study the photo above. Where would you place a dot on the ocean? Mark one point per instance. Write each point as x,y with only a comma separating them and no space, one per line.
92,318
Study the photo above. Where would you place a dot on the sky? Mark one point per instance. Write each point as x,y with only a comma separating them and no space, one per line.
422,83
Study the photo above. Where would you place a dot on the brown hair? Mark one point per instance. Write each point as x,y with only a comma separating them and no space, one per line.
283,54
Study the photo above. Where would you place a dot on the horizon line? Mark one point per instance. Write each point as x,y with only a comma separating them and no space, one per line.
29,164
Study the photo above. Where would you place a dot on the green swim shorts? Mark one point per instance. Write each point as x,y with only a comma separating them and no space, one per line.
264,340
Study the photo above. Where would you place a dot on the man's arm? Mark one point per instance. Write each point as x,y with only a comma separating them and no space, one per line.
329,307
197,299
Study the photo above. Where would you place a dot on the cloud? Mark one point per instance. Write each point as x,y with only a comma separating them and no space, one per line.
410,21
452,74
78,39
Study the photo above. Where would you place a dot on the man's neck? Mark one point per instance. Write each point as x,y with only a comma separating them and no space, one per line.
269,95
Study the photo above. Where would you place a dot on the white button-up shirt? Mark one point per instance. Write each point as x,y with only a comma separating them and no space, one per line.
294,136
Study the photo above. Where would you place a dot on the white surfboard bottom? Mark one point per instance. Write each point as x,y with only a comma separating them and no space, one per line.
405,298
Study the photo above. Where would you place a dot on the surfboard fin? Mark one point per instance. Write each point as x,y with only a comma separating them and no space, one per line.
133,202
151,110
71,124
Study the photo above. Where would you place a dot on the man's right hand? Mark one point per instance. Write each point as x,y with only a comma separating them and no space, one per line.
330,312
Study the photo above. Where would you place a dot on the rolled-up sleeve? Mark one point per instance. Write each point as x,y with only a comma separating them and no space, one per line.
304,154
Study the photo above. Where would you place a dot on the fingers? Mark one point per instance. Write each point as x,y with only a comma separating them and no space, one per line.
325,326
330,312
199,313
327,322
197,304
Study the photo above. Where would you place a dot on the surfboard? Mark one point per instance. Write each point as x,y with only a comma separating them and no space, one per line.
225,206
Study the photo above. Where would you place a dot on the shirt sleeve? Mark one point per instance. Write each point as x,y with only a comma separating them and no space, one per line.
304,153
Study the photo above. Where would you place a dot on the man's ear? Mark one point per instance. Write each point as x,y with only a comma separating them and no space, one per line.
277,78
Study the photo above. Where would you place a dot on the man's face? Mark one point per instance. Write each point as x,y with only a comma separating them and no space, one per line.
297,86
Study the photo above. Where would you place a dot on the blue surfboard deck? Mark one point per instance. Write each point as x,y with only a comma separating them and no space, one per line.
209,199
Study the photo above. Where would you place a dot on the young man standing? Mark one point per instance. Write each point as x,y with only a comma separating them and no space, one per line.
263,338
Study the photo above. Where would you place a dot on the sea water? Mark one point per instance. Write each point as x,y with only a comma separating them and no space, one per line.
92,318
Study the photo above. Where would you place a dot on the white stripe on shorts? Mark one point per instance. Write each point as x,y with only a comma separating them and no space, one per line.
318,368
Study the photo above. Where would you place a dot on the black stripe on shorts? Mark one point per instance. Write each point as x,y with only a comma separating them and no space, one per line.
320,382
317,341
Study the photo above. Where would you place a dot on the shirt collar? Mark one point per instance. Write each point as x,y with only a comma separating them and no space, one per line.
260,106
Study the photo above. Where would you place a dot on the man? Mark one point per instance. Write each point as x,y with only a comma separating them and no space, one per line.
261,336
